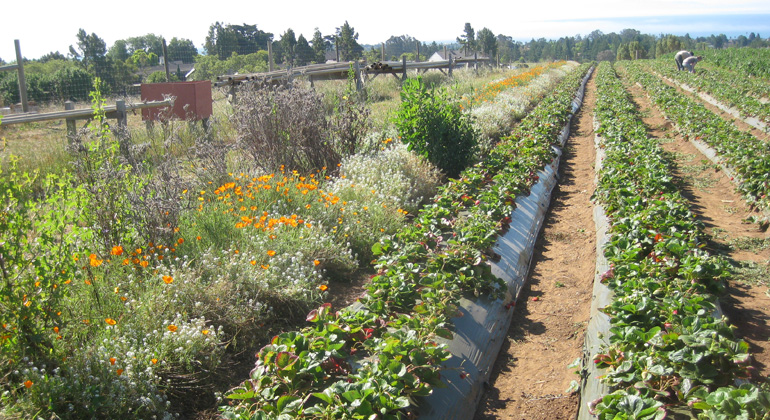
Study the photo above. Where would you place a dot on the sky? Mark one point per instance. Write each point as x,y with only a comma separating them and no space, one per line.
44,26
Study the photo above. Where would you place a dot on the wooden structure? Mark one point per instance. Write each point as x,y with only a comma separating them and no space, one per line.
118,111
193,100
340,71
19,67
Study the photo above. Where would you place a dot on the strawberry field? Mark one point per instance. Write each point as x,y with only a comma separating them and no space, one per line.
164,276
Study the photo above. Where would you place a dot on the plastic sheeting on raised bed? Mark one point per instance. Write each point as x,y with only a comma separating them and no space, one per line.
480,332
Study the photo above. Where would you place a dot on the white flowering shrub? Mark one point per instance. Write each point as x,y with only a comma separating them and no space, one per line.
126,372
395,176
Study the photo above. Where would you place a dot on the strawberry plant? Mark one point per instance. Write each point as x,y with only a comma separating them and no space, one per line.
665,340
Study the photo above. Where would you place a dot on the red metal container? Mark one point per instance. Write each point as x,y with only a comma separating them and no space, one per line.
193,100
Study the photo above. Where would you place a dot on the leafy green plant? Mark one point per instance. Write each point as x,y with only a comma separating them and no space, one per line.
108,181
434,126
665,341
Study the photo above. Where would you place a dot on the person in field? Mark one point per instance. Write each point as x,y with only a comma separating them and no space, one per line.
680,57
690,62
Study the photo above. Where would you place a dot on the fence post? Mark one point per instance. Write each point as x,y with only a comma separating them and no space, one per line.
270,55
359,80
382,51
450,65
418,52
165,61
71,127
403,62
22,80
120,106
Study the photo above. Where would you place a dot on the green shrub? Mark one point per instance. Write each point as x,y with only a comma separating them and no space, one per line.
433,125
160,77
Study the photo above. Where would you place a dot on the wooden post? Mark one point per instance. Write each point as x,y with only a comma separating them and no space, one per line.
382,51
165,62
475,61
403,62
22,80
357,70
120,106
450,65
337,47
446,57
418,52
232,94
270,55
71,126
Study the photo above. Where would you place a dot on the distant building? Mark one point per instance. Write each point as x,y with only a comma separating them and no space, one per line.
460,54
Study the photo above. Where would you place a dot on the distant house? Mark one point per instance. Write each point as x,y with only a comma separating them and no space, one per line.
173,66
460,54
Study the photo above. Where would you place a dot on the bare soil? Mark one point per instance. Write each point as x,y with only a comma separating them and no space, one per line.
531,377
722,210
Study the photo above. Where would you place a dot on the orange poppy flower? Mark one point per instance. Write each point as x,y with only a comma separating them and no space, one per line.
168,279
172,328
110,321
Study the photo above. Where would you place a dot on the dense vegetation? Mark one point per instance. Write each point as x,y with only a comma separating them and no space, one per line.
669,350
133,276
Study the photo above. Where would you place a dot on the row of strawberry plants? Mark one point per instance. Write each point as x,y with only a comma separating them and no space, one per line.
748,156
667,350
372,361
748,62
729,88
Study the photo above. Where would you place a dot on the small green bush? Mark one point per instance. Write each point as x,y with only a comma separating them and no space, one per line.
160,77
433,125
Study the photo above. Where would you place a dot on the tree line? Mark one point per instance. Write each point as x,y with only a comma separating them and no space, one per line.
230,48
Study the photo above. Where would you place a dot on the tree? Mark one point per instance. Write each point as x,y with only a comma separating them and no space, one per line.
396,46
51,56
508,49
91,49
319,47
224,40
149,43
468,39
623,53
303,52
181,50
288,45
142,59
221,41
347,42
119,50
718,41
487,42
628,35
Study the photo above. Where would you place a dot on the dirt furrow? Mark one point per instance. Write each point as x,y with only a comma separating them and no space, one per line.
531,377
722,210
